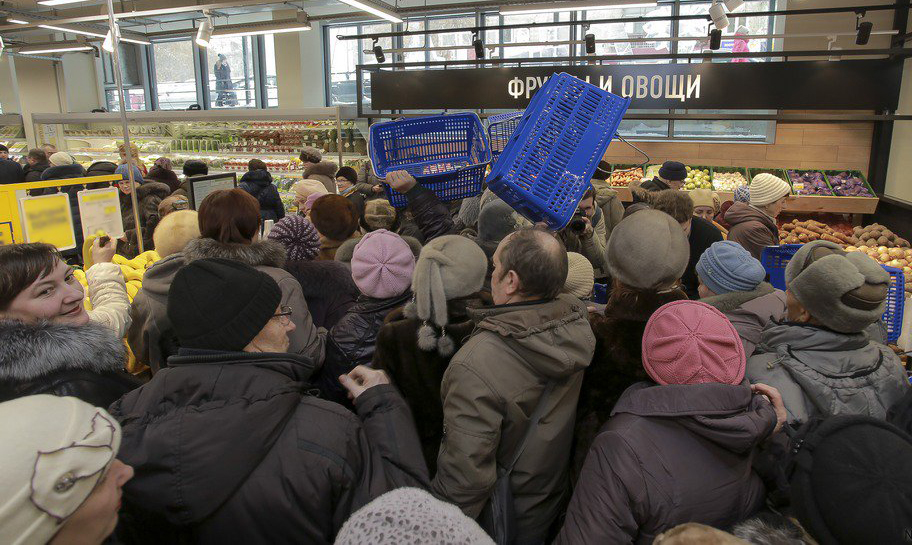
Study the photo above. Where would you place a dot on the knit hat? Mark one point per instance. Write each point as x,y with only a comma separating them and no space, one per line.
742,193
497,219
648,250
306,188
61,158
726,266
706,197
449,267
334,216
55,450
846,292
689,342
469,209
766,188
348,173
311,155
203,317
311,199
299,237
673,171
851,480
410,516
164,162
382,265
379,214
174,231
580,276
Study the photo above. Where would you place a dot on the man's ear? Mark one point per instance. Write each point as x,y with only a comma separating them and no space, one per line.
512,286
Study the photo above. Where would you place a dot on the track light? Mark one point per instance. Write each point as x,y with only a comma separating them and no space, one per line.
479,47
717,14
715,39
732,5
863,29
204,34
590,44
378,53
108,43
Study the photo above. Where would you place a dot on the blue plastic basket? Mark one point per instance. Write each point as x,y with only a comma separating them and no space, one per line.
775,258
500,128
447,154
600,293
548,163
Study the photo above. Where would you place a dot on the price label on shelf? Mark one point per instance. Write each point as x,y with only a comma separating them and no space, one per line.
100,211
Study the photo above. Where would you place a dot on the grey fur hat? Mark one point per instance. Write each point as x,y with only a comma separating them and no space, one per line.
449,267
846,292
648,250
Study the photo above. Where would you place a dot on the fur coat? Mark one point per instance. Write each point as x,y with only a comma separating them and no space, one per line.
46,358
324,172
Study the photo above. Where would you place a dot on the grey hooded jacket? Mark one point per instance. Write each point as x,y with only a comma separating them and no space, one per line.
751,311
820,372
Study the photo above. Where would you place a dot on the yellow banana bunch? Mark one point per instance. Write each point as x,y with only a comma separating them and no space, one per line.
87,247
134,269
81,278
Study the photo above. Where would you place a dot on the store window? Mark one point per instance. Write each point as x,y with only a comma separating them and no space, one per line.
737,37
271,83
535,42
646,35
131,76
134,99
230,68
343,58
175,75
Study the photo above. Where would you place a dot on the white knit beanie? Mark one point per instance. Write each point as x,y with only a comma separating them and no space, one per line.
766,188
580,276
305,188
409,516
448,267
174,232
55,450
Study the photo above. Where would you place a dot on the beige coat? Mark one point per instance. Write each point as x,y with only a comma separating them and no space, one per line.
489,392
108,295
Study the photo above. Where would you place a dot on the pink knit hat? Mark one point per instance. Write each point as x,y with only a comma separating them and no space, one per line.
311,199
689,342
382,265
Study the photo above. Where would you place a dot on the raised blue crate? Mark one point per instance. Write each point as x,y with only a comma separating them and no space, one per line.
600,293
775,258
447,154
500,128
549,161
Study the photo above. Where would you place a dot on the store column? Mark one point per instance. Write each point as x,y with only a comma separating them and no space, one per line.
299,66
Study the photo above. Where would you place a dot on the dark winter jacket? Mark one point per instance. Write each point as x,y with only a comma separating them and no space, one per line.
669,455
101,168
702,235
654,184
165,176
617,363
148,195
150,336
84,361
751,311
66,172
328,289
418,373
259,184
324,172
430,214
32,173
231,447
10,172
269,257
351,341
752,228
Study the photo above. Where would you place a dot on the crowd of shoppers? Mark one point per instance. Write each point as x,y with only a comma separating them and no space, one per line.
440,374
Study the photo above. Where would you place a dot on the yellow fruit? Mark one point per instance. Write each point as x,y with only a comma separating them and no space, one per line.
119,260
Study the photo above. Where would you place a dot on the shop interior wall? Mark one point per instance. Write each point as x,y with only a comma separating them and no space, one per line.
39,92
899,171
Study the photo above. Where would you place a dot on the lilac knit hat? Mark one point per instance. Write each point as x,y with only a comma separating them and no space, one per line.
299,237
311,199
382,265
689,342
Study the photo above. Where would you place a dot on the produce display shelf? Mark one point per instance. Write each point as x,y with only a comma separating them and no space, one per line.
801,204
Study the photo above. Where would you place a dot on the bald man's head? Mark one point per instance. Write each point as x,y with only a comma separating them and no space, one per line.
537,258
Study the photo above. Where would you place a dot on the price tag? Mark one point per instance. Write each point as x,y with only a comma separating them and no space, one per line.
99,210
48,219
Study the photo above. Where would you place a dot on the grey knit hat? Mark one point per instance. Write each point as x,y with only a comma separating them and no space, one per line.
846,292
648,250
449,267
410,516
497,219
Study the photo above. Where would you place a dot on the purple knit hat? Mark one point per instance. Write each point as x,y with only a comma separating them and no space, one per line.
382,265
311,199
299,237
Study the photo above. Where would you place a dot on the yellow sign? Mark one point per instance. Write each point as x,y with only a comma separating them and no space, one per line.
99,210
47,219
6,233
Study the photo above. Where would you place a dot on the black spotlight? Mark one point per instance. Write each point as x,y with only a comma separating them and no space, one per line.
479,47
590,44
864,33
715,39
378,53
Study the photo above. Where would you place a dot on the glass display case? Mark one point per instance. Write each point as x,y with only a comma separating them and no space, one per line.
225,139
12,135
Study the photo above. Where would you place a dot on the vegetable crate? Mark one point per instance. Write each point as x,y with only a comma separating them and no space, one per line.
447,154
830,174
802,172
775,259
500,128
547,165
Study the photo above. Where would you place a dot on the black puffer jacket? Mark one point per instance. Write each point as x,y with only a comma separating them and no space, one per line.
259,184
229,447
63,360
431,215
351,342
328,289
32,173
148,195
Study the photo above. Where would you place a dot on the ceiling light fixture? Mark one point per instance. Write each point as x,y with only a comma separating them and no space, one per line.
589,39
17,21
717,14
863,29
60,47
109,42
204,34
479,46
715,39
525,9
377,10
58,2
378,53
94,34
732,5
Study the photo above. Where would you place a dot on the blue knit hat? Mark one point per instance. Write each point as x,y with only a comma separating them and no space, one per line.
742,193
726,266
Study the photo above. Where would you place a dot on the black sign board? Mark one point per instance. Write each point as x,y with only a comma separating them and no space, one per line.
804,85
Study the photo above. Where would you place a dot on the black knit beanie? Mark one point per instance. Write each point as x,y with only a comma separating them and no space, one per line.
673,171
852,481
221,304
